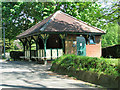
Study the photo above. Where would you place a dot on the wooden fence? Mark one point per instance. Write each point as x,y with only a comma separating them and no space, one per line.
112,51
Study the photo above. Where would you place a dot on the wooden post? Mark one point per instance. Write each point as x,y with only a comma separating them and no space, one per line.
44,37
45,40
24,49
23,43
27,48
29,42
30,49
42,53
35,38
57,52
36,48
51,53
63,36
63,44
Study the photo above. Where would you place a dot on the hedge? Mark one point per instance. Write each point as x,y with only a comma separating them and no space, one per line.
16,54
94,70
92,64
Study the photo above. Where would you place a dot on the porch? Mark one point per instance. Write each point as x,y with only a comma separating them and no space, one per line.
50,53
43,46
56,35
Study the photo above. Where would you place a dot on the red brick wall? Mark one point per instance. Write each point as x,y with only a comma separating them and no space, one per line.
91,50
95,49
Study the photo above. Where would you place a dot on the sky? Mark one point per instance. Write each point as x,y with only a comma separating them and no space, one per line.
107,3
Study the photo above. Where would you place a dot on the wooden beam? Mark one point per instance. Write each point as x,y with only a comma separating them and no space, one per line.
35,38
29,42
44,37
63,37
23,43
36,48
78,33
57,52
51,53
45,41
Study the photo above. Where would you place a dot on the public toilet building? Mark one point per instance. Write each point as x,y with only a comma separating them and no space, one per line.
61,34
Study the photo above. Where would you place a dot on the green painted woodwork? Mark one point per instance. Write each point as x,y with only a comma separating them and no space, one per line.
29,44
45,47
44,37
81,46
78,33
35,38
63,42
24,49
63,36
23,43
57,52
30,49
36,48
51,53
42,53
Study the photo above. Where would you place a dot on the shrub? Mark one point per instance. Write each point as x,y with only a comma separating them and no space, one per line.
92,64
16,54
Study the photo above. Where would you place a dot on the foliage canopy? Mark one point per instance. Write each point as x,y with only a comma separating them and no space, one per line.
19,16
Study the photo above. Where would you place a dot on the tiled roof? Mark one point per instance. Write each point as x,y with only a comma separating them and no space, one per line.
61,22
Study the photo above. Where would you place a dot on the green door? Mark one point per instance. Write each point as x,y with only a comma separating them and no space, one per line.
81,46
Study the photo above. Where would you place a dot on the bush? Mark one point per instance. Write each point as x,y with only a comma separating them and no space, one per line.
16,54
92,64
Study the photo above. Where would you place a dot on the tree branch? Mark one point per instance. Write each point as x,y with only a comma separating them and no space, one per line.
107,14
114,19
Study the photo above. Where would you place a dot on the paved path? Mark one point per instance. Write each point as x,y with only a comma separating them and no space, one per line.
21,74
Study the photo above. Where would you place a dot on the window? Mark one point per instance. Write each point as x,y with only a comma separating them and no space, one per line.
91,39
74,44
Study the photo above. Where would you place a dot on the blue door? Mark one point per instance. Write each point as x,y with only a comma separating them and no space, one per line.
81,46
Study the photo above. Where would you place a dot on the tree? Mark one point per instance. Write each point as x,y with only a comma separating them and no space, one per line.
19,16
111,37
111,13
112,24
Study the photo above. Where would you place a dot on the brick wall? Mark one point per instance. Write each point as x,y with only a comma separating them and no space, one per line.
93,50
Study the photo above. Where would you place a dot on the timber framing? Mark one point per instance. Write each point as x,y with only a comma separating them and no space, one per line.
60,24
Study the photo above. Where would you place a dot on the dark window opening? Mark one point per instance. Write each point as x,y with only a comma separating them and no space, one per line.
91,39
54,41
41,44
